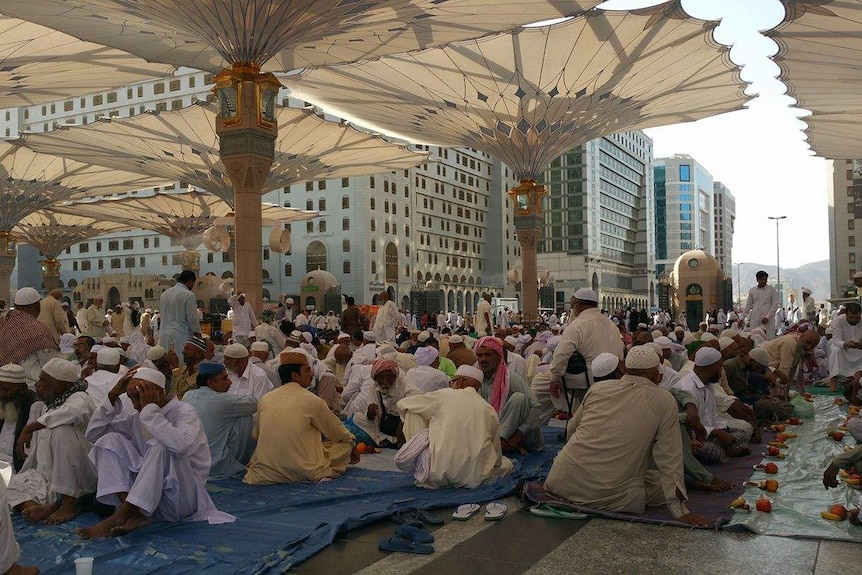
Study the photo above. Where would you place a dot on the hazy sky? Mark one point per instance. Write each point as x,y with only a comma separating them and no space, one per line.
759,153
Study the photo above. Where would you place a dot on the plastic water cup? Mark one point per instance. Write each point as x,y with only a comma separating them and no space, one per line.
84,566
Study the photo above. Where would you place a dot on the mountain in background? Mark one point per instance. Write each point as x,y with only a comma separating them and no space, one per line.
814,276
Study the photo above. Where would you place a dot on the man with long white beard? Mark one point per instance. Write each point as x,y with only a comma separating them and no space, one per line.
246,378
15,402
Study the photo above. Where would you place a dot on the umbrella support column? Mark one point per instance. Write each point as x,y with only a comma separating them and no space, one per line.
8,254
51,274
529,225
247,130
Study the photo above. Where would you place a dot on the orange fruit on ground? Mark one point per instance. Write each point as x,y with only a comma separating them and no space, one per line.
840,511
361,447
770,485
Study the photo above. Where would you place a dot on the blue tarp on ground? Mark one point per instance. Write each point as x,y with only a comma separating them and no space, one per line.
277,526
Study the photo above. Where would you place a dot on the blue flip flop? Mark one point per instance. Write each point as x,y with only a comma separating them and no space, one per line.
404,545
428,517
417,534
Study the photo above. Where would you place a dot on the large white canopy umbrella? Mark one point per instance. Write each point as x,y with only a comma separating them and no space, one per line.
31,181
254,36
529,95
820,57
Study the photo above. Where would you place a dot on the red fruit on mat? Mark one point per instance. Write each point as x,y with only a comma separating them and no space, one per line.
764,504
770,468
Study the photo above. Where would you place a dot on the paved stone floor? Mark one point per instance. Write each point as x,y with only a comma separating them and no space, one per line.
522,543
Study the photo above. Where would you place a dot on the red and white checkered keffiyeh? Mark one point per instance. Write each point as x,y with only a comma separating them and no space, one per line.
500,387
22,335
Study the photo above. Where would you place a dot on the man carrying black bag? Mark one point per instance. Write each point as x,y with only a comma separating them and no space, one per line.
589,334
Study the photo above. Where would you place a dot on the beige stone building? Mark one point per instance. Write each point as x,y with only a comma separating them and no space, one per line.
844,198
698,284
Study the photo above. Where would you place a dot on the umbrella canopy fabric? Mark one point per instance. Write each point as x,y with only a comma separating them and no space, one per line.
282,34
52,232
820,57
529,95
182,216
31,181
38,65
182,145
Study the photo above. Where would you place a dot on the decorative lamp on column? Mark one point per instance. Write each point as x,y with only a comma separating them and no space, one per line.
529,223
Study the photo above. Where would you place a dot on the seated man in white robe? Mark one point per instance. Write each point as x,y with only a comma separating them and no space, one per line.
228,419
625,452
16,399
108,371
246,378
455,433
426,377
290,423
152,457
57,473
370,410
258,355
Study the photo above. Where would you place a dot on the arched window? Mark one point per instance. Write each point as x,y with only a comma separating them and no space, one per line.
374,266
322,226
373,225
391,262
321,204
227,275
345,202
345,245
315,257
345,224
373,203
345,266
265,274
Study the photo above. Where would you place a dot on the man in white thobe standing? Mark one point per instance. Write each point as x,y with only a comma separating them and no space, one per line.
763,301
388,318
244,320
152,457
52,314
483,323
179,314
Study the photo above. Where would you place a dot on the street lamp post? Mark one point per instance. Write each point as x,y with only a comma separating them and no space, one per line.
778,257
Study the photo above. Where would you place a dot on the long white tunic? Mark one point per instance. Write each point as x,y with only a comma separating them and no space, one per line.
463,433
482,321
386,323
762,302
847,361
244,320
179,318
704,399
425,379
179,485
590,333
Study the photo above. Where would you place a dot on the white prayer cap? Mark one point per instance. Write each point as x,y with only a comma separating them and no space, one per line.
108,356
155,352
653,346
616,320
723,342
148,310
471,372
745,335
604,364
806,291
108,339
707,337
642,326
641,357
511,340
423,337
426,355
289,300
586,294
97,348
729,333
656,333
13,373
679,328
706,356
343,335
386,351
306,335
369,336
124,339
26,296
61,370
235,351
829,331
260,346
663,341
525,338
554,327
857,275
687,338
456,339
760,355
151,375
469,341
64,304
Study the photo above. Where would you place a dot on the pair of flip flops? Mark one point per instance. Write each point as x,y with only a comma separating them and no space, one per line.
417,517
494,511
408,539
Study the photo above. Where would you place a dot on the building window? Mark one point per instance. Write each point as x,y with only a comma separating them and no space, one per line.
85,265
130,262
373,266
83,248
852,258
265,253
345,266
75,266
98,246
373,245
115,263
321,204
174,85
373,204
684,173
128,244
159,88
315,257
113,245
309,186
345,203
309,227
146,243
309,205
371,182
373,225
155,242
210,258
322,226
345,182
345,224
112,97
345,245
164,260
